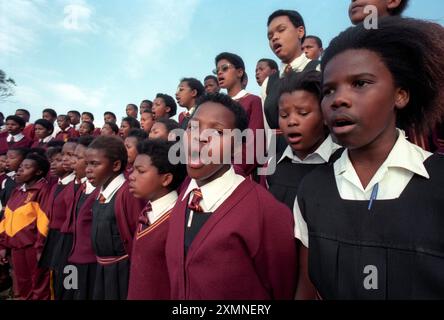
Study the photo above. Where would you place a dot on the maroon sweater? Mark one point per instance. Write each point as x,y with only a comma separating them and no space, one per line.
244,251
80,225
148,274
5,146
67,134
253,107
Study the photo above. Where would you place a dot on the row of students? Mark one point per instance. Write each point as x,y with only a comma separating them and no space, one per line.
215,204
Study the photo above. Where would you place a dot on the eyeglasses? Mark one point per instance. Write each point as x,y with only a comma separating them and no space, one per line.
223,68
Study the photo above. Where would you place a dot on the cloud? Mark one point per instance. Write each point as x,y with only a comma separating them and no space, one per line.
19,22
165,23
77,17
69,94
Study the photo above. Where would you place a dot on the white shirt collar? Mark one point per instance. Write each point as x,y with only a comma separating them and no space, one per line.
404,155
17,137
240,95
321,155
112,187
215,190
89,188
161,206
11,174
297,64
67,179
46,140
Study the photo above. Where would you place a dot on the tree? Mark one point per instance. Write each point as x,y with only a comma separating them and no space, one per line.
6,86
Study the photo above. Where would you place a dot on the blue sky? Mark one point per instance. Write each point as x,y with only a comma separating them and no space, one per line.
100,55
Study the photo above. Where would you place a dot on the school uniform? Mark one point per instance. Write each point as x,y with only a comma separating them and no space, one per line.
253,107
379,242
17,141
57,215
237,245
290,170
115,217
53,256
270,95
8,185
29,131
96,132
23,230
65,135
42,143
184,118
81,253
149,275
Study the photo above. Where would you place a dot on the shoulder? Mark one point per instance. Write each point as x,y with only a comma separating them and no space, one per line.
435,166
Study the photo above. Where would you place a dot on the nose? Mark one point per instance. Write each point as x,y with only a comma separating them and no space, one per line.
341,98
293,120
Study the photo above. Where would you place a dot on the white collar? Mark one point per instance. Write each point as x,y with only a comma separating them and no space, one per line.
321,155
112,187
297,64
17,137
215,190
67,179
46,140
11,174
161,206
404,155
89,188
240,95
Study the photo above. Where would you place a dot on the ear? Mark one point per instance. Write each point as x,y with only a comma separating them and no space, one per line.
117,165
392,4
39,173
240,72
402,98
168,109
301,33
167,179
194,93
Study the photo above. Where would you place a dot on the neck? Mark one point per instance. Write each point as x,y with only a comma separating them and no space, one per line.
302,154
297,54
111,178
219,173
30,183
233,91
80,176
159,194
368,159
192,104
65,175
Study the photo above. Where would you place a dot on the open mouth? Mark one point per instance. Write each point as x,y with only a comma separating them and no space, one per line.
194,160
277,47
221,79
342,125
294,138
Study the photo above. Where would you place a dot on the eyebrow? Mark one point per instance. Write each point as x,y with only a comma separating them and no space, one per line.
353,76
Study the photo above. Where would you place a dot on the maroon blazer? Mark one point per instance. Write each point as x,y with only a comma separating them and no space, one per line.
82,251
60,204
5,146
43,145
127,209
148,274
253,107
245,250
29,132
67,134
